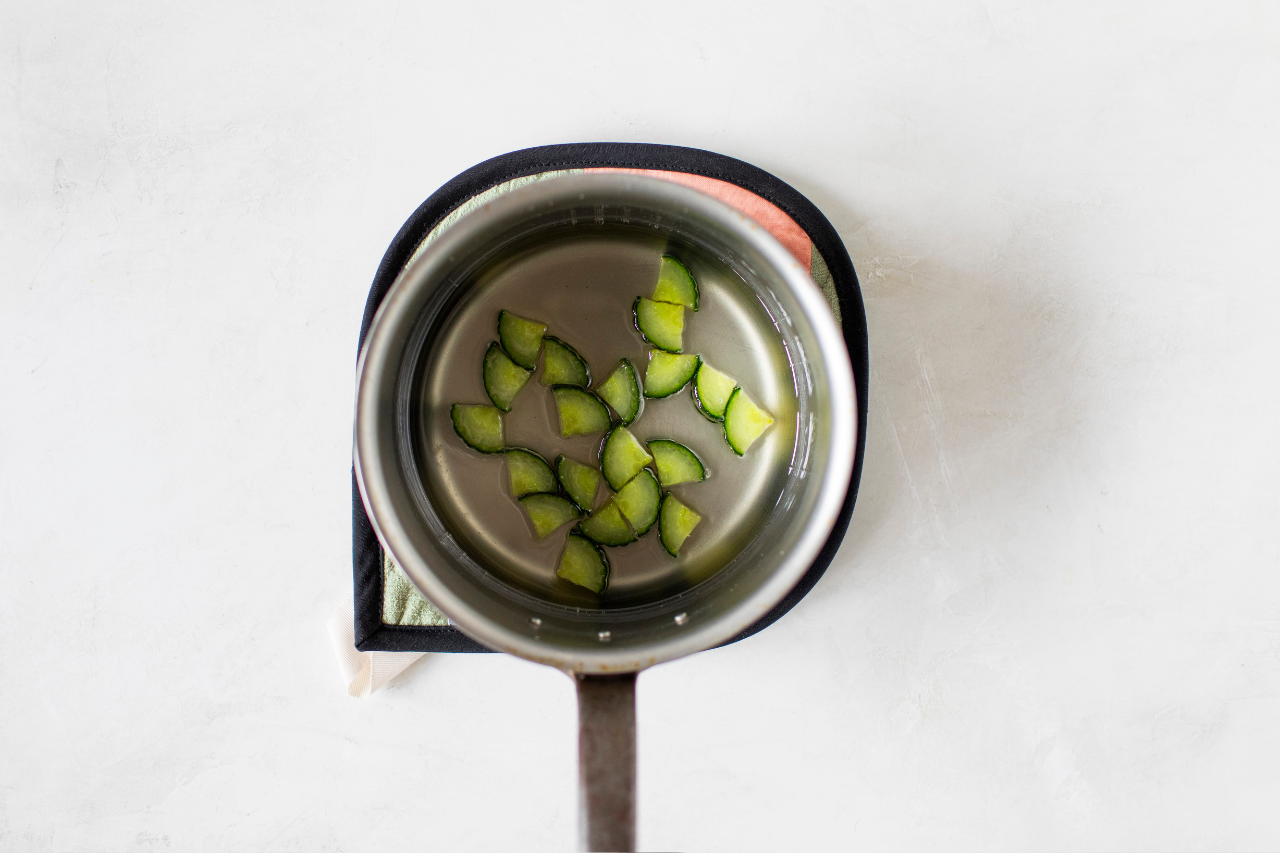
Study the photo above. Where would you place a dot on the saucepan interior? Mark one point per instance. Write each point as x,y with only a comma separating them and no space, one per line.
645,624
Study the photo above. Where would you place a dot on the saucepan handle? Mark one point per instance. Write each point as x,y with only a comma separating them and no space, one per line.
607,761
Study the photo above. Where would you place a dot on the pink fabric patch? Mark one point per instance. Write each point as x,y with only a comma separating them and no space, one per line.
769,216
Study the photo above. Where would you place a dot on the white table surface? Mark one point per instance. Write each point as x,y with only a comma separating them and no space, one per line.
1054,623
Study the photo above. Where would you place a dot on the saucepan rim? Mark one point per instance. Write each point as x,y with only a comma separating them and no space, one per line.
379,355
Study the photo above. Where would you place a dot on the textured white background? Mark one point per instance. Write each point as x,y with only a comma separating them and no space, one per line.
1055,621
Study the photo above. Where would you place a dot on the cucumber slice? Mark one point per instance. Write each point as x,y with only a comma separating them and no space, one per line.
661,323
675,284
638,502
622,457
584,563
606,526
622,391
479,426
711,391
580,411
744,421
549,513
666,373
521,338
529,472
676,463
675,522
579,481
561,364
503,378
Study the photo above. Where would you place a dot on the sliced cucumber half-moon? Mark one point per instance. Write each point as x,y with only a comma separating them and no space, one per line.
606,526
580,411
579,481
667,373
744,422
675,522
638,502
503,378
584,564
549,513
661,323
675,284
528,472
711,391
562,365
676,463
479,426
622,457
521,338
622,391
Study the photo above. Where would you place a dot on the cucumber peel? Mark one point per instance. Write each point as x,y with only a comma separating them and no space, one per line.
622,391
479,426
561,364
503,378
676,463
521,338
711,391
675,522
584,564
548,513
661,323
638,502
622,457
606,526
580,411
666,373
579,481
675,284
528,472
744,422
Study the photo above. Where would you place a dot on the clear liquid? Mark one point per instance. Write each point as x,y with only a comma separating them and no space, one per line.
582,285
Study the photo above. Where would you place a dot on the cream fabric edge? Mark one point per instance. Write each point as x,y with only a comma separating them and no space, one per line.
362,672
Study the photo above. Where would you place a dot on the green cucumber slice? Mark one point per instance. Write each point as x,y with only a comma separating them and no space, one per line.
638,502
744,421
606,526
711,391
479,426
584,564
666,373
521,338
622,457
549,513
503,378
675,284
661,323
529,472
622,391
579,481
561,364
580,411
676,463
675,522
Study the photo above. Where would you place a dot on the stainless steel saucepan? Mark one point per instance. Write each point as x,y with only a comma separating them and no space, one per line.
603,649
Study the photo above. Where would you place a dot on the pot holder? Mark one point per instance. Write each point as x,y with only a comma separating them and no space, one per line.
390,614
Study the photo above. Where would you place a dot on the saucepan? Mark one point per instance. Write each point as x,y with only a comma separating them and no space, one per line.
603,648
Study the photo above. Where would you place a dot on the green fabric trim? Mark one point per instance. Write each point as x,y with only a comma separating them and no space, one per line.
821,275
483,199
402,604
